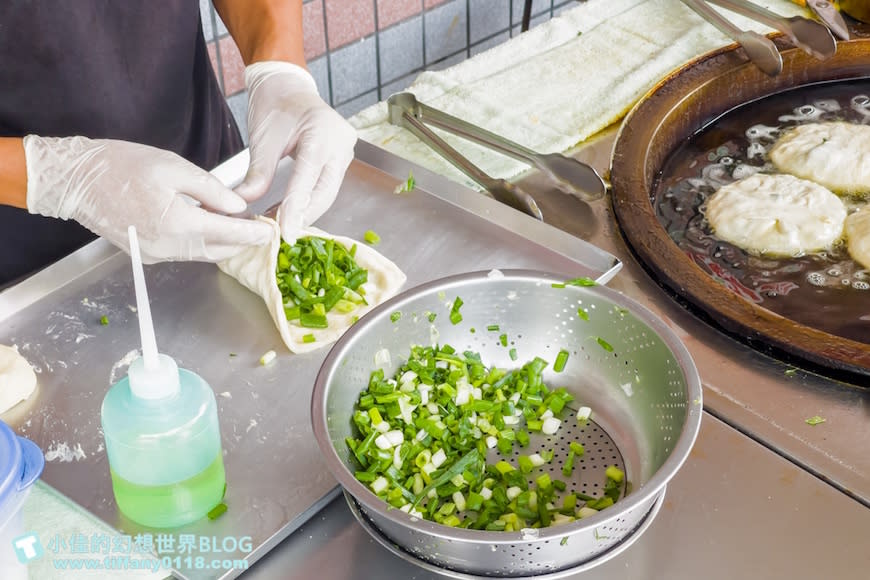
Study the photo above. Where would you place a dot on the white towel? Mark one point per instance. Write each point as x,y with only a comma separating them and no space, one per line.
558,84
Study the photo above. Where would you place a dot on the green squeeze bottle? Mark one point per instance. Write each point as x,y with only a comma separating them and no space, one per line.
161,429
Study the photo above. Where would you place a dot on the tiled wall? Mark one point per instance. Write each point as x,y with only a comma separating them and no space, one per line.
362,51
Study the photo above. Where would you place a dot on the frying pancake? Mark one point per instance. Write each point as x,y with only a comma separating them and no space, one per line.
834,154
776,215
857,230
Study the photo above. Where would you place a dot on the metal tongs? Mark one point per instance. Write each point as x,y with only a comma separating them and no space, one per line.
572,175
809,35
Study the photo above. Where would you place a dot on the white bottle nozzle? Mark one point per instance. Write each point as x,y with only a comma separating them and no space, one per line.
155,375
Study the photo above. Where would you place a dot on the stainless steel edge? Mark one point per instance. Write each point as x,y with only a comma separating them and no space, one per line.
492,211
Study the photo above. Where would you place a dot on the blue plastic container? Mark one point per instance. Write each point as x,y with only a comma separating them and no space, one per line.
21,463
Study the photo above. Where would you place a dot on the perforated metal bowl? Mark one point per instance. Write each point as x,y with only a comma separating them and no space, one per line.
624,363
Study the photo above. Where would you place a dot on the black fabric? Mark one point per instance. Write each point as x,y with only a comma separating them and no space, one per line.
128,69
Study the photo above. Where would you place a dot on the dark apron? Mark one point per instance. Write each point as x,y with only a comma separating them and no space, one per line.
128,69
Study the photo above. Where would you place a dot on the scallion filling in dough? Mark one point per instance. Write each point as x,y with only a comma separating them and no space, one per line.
316,275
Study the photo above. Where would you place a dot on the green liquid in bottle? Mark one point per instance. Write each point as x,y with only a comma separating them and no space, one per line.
175,504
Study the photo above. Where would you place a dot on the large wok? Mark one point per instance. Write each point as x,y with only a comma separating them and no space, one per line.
669,114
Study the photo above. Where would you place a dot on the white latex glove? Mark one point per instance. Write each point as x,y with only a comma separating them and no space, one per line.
108,185
286,116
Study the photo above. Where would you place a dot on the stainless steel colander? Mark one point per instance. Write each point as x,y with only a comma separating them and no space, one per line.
624,363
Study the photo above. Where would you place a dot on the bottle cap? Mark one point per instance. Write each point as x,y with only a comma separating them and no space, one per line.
158,382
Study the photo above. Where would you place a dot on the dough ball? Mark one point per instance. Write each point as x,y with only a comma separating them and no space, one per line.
836,155
776,215
858,236
17,379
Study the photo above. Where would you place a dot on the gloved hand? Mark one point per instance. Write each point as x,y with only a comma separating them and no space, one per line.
286,116
108,185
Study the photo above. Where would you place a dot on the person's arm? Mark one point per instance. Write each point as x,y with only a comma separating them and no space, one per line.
13,173
265,29
107,185
286,115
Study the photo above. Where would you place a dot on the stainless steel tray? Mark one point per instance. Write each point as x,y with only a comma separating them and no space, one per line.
212,325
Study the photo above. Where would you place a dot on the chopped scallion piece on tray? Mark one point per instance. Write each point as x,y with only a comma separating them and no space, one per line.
423,438
371,237
406,185
268,357
104,320
308,338
395,316
217,511
815,420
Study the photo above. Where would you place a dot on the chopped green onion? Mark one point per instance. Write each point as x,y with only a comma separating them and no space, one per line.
308,338
492,328
614,473
604,344
407,185
395,316
513,353
582,314
455,316
371,237
312,320
561,359
268,357
503,339
568,466
104,320
584,281
815,420
423,434
217,511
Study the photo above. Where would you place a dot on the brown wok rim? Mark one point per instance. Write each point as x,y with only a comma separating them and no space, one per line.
669,113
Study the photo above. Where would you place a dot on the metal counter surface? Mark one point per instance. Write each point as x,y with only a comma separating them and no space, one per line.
766,398
212,325
734,510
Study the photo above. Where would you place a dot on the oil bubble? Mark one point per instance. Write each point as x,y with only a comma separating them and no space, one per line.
860,285
755,150
828,105
816,278
762,132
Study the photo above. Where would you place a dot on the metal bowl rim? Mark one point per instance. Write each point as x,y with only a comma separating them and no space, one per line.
608,554
639,496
